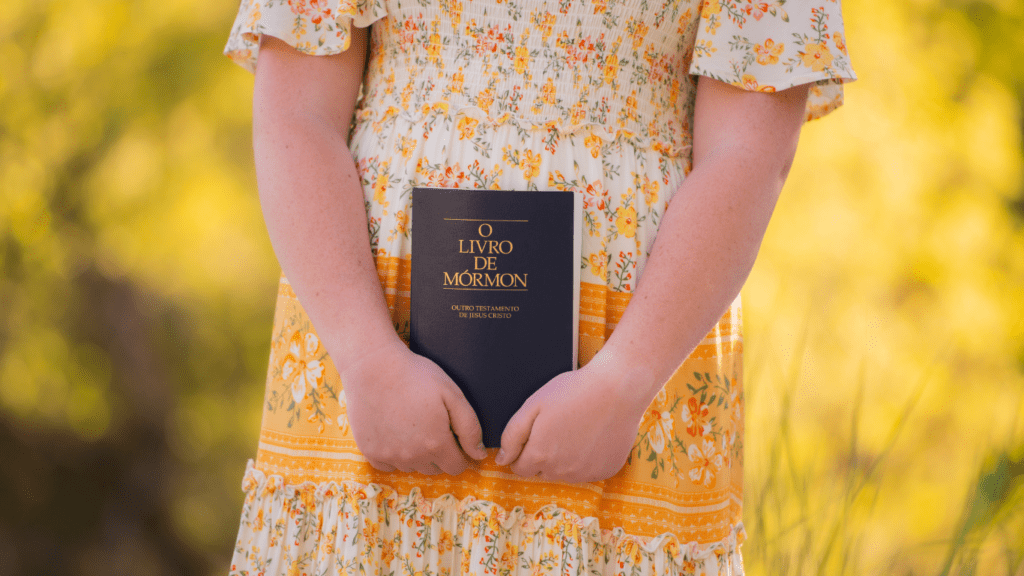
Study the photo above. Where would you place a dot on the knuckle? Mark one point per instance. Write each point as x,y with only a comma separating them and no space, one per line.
566,472
374,454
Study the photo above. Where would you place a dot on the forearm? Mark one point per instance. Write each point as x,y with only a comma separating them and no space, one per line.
313,205
705,248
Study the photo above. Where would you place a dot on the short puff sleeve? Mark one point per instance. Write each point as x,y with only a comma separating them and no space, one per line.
769,46
317,27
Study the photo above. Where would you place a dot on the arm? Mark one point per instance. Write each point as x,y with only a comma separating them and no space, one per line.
581,425
403,408
743,146
311,195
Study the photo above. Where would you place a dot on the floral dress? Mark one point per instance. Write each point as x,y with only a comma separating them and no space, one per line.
592,96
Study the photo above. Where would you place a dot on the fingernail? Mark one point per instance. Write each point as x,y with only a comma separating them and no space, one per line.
500,460
481,447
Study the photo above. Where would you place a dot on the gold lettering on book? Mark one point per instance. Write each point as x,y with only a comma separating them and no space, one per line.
484,311
485,274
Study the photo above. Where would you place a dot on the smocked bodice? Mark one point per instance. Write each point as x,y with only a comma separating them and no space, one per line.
619,68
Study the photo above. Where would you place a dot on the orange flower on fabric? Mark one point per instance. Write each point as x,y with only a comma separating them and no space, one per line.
625,222
695,416
547,91
521,60
455,11
837,37
406,146
457,81
710,7
611,69
659,429
707,460
650,190
546,24
816,57
530,164
768,53
434,48
593,196
593,143
401,222
301,368
577,113
484,100
380,185
467,127
749,82
597,263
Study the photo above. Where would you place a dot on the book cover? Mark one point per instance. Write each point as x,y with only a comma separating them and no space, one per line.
494,294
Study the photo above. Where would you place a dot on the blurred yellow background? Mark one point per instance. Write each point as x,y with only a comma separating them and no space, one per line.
884,318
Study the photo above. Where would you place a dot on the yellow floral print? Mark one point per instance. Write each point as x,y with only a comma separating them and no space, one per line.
522,60
837,38
707,460
710,7
593,142
768,53
300,366
531,164
659,429
457,79
649,188
816,56
597,263
625,222
467,127
611,69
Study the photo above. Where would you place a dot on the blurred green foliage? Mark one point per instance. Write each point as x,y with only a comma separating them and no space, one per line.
884,337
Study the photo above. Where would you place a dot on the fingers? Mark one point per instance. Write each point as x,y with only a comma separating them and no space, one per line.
381,465
464,423
434,427
514,438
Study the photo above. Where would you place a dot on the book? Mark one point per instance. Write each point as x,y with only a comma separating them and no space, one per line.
495,290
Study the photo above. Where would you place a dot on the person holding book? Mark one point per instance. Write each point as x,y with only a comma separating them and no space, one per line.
675,120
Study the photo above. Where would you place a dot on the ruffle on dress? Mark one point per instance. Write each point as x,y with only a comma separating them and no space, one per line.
768,47
316,27
355,529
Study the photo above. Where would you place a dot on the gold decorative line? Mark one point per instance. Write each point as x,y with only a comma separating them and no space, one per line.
608,495
485,220
314,454
498,289
716,507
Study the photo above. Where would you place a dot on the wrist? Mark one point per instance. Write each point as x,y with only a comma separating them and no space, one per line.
365,346
631,377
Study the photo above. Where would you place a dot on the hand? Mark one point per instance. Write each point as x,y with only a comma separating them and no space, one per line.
404,409
579,427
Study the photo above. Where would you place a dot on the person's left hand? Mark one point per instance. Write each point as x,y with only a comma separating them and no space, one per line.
579,427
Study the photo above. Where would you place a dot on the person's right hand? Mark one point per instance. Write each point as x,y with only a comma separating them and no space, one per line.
403,409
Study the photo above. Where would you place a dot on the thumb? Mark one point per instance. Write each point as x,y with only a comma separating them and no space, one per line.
465,424
516,433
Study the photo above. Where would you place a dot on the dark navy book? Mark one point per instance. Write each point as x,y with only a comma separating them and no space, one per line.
495,288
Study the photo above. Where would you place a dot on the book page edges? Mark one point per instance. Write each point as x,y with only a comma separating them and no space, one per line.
577,239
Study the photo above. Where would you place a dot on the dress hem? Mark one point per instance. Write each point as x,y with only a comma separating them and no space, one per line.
354,528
